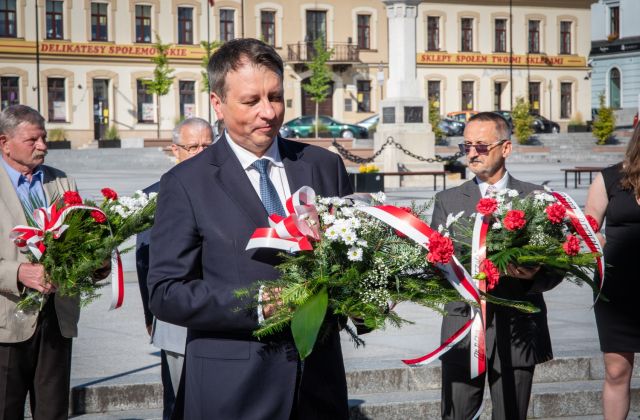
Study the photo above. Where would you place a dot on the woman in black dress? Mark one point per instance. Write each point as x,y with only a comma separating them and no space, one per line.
614,196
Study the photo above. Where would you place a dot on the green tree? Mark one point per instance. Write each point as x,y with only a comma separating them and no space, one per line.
434,119
605,122
162,78
209,48
318,86
522,120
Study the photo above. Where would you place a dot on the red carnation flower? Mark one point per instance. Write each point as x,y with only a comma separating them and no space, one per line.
98,216
408,210
491,272
555,213
109,194
487,206
571,246
440,249
514,220
593,222
71,198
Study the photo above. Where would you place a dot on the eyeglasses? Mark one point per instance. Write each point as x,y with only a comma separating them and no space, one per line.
193,148
481,148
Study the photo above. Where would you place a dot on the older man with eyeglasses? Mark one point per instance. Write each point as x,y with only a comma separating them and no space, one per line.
515,341
190,137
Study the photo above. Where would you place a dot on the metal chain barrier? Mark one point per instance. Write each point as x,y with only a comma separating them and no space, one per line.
391,142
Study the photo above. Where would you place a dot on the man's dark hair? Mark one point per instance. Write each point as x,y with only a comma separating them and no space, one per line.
14,115
502,125
232,55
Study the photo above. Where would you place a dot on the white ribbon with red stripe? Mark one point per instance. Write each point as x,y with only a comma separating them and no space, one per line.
51,219
583,228
478,331
292,233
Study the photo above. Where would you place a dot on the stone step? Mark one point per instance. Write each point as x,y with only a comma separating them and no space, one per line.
366,377
548,400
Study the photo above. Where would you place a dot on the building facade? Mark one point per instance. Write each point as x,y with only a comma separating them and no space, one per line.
615,57
482,55
82,62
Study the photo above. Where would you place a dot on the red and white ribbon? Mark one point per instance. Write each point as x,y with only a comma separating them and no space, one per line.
292,233
51,219
583,228
478,352
454,272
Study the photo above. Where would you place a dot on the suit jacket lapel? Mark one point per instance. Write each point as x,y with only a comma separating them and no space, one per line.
470,196
49,185
233,179
10,198
299,172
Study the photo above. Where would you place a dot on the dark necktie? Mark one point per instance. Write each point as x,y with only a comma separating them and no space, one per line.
268,193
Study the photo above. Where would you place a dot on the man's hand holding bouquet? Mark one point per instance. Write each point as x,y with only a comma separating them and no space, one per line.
76,242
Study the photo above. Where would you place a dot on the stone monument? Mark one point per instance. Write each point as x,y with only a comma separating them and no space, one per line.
404,113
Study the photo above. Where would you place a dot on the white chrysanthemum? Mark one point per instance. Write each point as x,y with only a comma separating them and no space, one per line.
354,222
379,197
325,201
451,219
496,226
347,211
361,243
332,233
337,201
355,254
349,237
512,193
153,195
440,228
328,219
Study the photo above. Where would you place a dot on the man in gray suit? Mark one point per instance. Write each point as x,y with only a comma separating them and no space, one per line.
190,137
515,341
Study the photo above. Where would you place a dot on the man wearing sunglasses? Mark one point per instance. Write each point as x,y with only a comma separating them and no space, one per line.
515,342
190,137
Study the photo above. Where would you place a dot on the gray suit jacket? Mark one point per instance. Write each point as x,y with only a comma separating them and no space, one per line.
12,329
521,339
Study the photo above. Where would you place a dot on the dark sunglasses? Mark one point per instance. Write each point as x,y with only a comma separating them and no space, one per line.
481,149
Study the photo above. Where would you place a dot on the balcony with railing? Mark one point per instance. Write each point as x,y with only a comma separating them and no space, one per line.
304,52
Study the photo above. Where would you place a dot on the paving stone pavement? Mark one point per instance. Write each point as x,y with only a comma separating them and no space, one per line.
112,346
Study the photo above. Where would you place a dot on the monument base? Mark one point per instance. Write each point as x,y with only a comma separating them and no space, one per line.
406,121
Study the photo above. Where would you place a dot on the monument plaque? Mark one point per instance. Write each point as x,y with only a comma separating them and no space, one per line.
389,115
413,114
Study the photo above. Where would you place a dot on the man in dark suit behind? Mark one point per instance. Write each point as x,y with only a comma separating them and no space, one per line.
515,341
207,210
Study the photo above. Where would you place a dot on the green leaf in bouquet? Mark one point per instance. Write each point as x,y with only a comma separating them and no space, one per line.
307,321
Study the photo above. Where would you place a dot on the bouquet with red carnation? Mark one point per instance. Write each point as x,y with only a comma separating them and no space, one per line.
543,228
73,238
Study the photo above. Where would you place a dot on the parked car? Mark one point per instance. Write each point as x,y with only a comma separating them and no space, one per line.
461,116
451,127
305,127
286,132
369,122
545,125
540,124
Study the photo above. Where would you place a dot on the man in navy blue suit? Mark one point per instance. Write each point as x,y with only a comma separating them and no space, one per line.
207,210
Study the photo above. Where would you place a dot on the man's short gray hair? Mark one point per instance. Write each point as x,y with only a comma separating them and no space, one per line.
195,122
14,115
502,125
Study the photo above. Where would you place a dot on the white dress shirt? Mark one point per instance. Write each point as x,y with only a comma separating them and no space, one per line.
277,173
500,185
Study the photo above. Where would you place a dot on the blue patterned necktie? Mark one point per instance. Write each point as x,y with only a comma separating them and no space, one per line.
268,193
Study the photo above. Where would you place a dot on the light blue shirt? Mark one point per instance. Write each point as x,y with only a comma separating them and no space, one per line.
24,188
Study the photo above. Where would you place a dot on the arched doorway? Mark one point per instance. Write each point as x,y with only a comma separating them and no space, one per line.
309,107
614,88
